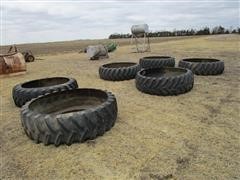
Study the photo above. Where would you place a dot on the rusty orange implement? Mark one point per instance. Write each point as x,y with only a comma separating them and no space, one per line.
12,62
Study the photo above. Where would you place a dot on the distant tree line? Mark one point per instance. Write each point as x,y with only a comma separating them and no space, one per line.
191,32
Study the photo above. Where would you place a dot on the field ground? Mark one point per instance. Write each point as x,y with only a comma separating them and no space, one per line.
191,136
54,48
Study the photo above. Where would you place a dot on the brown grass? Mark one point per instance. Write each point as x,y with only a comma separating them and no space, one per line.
190,136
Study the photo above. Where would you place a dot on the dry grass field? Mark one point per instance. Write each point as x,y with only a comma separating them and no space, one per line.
191,136
54,48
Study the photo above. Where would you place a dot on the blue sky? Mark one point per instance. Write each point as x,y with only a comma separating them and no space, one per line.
43,21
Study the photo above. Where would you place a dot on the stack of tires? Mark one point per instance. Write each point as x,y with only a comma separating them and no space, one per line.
157,75
55,111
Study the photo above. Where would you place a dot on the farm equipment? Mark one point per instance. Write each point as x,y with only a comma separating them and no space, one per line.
13,62
111,47
28,56
140,35
97,52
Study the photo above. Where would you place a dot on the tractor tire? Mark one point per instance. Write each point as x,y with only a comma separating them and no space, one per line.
165,81
29,58
69,116
203,66
24,92
118,71
156,62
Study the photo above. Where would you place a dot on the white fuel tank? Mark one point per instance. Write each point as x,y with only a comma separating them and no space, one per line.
139,29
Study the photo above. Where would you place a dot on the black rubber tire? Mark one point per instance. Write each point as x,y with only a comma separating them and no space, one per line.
29,58
147,81
156,62
24,92
203,66
118,71
44,119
